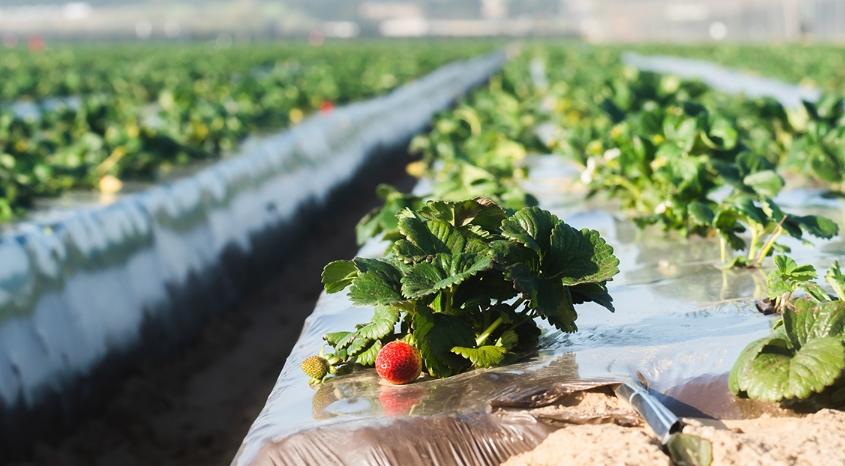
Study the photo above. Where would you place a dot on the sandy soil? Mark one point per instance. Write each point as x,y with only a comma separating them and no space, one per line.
815,439
603,444
195,407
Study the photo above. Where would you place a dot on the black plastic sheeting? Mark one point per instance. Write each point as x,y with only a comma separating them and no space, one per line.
96,283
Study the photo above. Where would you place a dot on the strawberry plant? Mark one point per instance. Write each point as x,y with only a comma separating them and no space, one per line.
463,282
478,149
819,149
678,155
788,278
801,361
382,221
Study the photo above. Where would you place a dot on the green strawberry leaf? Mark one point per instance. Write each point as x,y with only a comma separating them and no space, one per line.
337,275
592,292
531,227
804,355
378,282
382,220
508,340
548,296
368,356
836,279
701,213
429,237
816,225
443,271
333,338
483,356
821,320
788,276
777,373
579,256
382,324
739,378
480,212
357,344
435,335
746,207
765,182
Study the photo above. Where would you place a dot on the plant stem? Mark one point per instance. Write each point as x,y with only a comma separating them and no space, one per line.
723,249
837,288
447,297
406,306
755,238
770,243
627,185
489,330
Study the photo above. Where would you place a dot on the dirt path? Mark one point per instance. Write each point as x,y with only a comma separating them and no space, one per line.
195,407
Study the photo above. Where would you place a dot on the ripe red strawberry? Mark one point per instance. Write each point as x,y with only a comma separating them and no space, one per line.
398,363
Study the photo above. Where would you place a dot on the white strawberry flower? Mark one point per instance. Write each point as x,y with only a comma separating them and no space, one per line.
589,172
611,154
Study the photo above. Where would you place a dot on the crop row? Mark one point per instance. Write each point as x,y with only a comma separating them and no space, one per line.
816,65
141,110
472,262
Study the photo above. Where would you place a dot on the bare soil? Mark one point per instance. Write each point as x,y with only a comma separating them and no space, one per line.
770,440
194,408
601,444
778,441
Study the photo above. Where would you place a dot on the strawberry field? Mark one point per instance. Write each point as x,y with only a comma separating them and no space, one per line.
97,116
590,251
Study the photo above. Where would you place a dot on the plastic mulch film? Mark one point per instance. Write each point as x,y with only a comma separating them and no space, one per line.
680,323
78,285
724,79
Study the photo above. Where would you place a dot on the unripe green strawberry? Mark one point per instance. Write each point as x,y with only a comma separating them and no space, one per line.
315,367
398,363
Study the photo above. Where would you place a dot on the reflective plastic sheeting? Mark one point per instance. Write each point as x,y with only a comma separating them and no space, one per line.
723,78
78,289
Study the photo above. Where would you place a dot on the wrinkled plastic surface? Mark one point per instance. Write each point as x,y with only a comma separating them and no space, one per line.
680,323
77,285
724,79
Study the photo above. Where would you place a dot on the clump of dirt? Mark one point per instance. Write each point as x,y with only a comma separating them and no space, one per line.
589,408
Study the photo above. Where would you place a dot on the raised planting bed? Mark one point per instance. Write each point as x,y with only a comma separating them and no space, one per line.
662,268
679,324
83,293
